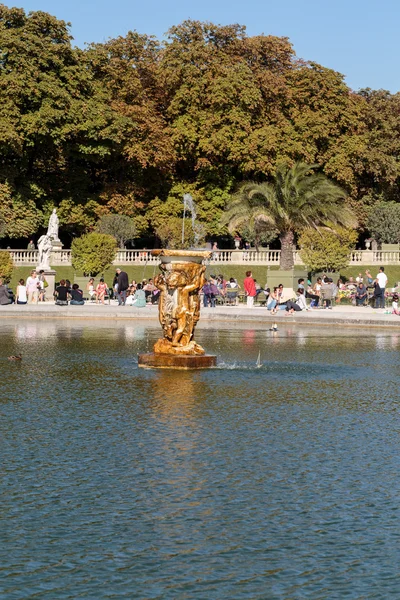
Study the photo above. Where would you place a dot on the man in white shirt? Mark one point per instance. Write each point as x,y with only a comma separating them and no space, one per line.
382,281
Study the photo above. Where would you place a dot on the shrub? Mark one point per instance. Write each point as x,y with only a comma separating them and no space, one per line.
93,253
383,222
326,250
6,265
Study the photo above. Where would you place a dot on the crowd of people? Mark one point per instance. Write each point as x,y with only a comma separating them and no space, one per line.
33,291
363,290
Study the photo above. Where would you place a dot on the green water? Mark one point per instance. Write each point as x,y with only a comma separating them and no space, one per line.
237,482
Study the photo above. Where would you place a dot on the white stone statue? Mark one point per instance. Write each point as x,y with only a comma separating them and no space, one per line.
52,229
44,247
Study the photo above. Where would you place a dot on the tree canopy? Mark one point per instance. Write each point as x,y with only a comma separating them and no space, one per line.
128,126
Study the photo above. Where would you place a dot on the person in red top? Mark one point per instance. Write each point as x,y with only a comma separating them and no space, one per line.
250,289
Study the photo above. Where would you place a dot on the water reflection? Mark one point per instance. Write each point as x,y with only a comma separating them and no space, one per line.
237,482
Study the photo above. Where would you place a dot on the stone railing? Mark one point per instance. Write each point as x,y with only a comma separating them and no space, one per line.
25,258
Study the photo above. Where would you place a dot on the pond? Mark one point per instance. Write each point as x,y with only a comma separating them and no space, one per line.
236,482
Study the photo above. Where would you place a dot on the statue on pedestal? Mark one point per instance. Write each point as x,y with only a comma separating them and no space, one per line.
52,229
179,307
44,247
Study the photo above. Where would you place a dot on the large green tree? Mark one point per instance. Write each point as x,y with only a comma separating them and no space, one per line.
296,198
56,124
111,128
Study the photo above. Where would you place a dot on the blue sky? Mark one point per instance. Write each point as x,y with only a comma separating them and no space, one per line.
358,38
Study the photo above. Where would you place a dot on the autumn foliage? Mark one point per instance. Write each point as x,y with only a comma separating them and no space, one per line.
128,126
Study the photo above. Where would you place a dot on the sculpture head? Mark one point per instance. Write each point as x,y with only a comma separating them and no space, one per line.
177,279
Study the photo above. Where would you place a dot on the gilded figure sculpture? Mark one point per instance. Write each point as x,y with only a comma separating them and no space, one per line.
179,306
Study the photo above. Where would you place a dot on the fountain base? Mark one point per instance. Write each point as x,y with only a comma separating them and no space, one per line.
156,360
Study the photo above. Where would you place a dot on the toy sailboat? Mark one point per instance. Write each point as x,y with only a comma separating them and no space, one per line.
258,363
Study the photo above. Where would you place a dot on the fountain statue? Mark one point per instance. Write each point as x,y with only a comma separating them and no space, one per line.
44,248
181,279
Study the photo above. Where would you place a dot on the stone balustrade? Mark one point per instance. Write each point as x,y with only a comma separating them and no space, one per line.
25,258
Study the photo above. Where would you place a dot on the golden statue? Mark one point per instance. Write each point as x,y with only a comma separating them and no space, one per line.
181,279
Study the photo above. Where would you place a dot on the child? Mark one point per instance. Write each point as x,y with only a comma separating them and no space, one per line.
395,305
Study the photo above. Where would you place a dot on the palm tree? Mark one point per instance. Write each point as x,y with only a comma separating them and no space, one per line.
297,198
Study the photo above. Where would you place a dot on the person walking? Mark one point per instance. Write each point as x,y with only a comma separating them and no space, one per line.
249,289
380,291
123,284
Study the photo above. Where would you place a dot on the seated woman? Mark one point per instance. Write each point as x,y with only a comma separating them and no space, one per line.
139,297
21,297
101,291
273,301
90,289
76,296
61,294
232,291
297,306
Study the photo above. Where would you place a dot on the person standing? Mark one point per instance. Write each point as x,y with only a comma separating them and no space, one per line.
31,245
249,289
380,292
43,284
123,284
32,288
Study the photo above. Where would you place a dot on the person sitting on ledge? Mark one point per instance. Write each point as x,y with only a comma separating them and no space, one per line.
297,306
61,294
4,294
395,304
90,288
309,293
361,294
76,296
139,297
101,291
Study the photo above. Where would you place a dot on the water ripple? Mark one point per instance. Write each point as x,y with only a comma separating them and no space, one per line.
237,482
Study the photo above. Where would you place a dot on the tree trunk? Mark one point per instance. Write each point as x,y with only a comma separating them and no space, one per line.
287,239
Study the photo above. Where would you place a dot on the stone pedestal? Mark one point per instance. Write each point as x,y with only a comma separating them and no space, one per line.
50,276
155,360
56,247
